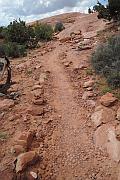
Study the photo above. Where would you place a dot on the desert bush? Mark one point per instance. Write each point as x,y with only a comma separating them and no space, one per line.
59,27
110,11
13,50
106,60
44,32
17,32
2,32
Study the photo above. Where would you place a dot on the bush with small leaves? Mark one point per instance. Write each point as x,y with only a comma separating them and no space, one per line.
13,50
106,60
59,27
44,32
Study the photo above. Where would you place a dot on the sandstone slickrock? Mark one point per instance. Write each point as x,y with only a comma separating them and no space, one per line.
101,136
113,146
108,99
118,114
6,104
105,138
102,115
26,159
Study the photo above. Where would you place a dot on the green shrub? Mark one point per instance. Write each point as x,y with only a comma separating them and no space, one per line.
44,32
106,60
2,32
17,31
13,50
59,27
111,11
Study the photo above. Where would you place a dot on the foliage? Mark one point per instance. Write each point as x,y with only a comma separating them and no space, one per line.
106,60
59,27
12,49
18,37
44,32
111,11
1,32
3,136
17,32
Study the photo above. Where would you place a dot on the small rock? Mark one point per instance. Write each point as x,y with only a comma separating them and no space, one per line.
108,99
26,159
26,137
117,132
47,121
118,114
35,110
42,78
35,87
38,93
6,104
65,39
87,94
89,89
82,48
33,174
39,101
67,64
91,103
82,65
88,84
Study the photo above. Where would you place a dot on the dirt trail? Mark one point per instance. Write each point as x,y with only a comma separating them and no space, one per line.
72,153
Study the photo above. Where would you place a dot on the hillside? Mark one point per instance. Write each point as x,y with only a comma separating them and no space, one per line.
58,127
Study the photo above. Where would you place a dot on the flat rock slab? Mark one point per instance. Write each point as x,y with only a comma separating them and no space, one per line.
105,138
102,115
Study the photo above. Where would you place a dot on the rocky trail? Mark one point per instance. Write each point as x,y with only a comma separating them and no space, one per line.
58,127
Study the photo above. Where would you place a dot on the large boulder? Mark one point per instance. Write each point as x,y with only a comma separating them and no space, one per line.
108,99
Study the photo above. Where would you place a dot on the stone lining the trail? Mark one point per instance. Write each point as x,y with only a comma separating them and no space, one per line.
22,142
108,99
102,115
26,159
106,136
